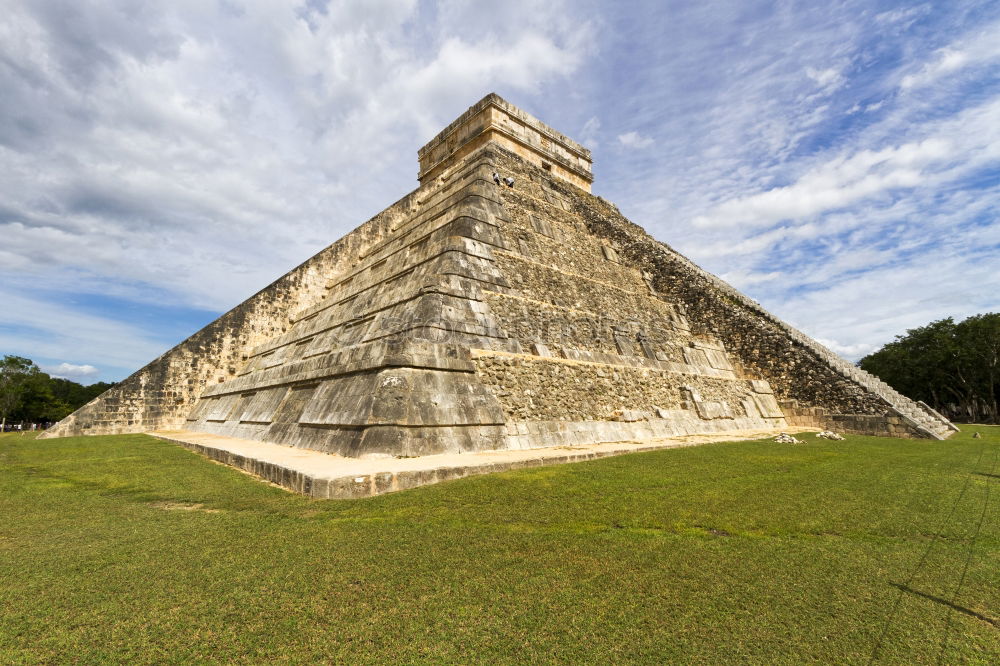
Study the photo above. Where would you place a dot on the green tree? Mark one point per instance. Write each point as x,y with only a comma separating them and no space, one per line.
28,394
76,395
16,374
978,340
953,367
39,403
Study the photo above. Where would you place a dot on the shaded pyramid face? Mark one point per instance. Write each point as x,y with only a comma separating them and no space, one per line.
477,315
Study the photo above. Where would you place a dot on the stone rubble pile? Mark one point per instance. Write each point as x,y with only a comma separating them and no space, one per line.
829,434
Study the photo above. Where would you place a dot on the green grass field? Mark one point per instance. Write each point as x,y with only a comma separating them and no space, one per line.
129,549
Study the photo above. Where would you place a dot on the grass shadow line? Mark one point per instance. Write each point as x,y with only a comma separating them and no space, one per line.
961,609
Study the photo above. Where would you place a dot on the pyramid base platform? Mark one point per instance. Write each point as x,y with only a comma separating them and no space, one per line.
326,476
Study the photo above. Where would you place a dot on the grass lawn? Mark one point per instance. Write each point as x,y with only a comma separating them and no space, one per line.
129,549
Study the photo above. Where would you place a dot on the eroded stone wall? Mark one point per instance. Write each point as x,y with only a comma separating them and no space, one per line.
161,394
381,366
639,333
761,345
597,344
538,389
707,313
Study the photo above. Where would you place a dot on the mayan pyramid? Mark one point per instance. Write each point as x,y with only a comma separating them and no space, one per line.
474,314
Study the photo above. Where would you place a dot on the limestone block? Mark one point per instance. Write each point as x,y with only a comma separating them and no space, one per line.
541,350
696,357
702,343
690,393
647,347
220,408
610,253
718,360
767,405
624,345
714,410
260,407
630,415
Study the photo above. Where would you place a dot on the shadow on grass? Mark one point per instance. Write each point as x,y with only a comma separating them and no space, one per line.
944,602
102,488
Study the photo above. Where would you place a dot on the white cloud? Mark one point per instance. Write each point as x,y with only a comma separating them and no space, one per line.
634,140
948,61
829,79
857,315
981,48
954,148
836,184
901,19
57,331
852,352
71,371
198,151
589,133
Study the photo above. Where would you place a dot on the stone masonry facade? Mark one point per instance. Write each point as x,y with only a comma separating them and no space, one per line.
474,315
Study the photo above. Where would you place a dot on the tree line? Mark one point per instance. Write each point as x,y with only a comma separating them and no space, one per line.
28,395
954,368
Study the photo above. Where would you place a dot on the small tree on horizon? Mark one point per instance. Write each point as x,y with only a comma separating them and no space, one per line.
15,374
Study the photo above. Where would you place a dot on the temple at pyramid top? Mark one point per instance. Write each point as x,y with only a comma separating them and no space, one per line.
495,119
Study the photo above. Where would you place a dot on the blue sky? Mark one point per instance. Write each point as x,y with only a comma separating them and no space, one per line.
160,162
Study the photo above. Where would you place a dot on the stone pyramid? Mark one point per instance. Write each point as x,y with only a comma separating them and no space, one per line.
477,315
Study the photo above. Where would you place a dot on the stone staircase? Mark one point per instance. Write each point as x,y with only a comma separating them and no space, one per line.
918,415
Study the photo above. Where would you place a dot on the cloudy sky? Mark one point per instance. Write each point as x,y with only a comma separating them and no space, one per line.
839,161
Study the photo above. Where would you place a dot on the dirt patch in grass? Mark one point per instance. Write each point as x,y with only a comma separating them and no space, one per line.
183,506
714,531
